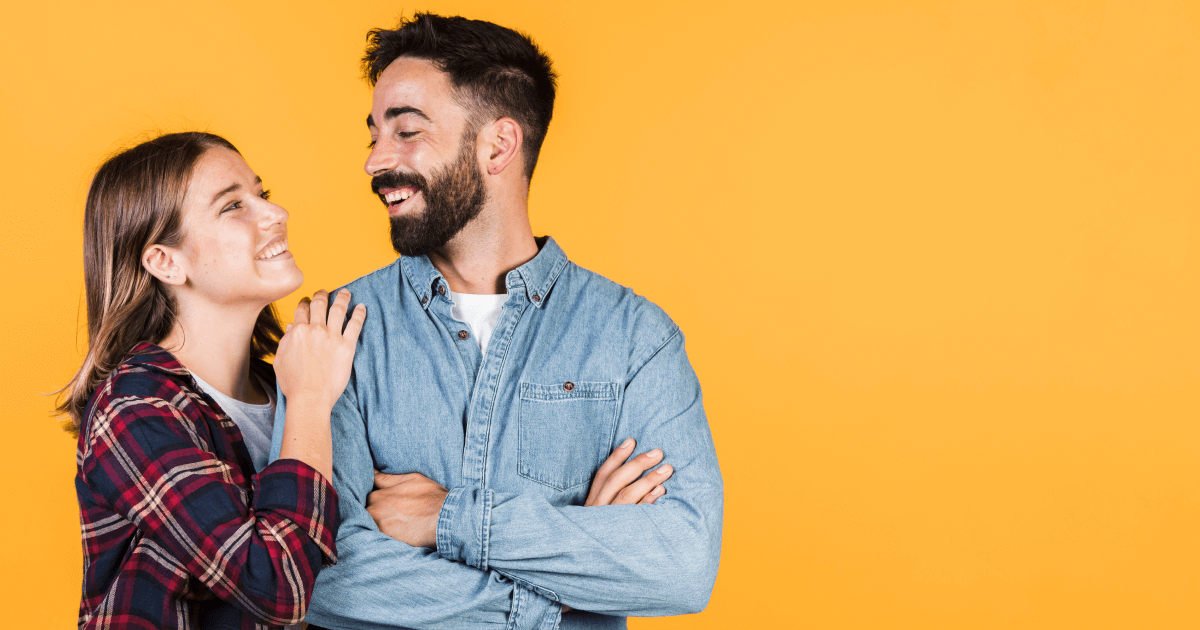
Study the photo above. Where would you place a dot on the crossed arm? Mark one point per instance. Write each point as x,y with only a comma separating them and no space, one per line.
514,559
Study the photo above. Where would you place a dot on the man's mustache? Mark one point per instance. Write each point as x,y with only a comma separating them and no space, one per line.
397,179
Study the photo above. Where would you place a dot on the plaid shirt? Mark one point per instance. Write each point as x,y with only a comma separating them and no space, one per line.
176,523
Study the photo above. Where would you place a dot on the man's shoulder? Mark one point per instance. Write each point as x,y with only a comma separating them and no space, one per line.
378,285
644,320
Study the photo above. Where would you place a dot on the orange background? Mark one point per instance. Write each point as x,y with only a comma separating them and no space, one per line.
937,263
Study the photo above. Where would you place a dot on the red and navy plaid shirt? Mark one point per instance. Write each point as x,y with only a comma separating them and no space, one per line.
176,523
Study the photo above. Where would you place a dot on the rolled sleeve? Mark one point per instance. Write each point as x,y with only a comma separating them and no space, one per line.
463,526
295,491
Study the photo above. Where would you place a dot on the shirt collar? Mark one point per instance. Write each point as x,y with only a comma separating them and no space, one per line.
149,355
154,357
537,276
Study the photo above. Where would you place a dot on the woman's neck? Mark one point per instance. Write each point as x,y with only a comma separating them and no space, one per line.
213,342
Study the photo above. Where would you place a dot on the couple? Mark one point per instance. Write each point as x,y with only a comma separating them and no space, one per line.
477,435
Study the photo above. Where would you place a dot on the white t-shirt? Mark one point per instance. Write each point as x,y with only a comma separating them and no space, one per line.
479,312
255,421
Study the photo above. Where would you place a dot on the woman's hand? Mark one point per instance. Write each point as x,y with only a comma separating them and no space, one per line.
315,355
620,482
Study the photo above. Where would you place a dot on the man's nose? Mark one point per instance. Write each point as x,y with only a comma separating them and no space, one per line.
382,158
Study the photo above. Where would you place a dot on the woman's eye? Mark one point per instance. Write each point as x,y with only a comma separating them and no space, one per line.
407,134
371,145
266,194
237,205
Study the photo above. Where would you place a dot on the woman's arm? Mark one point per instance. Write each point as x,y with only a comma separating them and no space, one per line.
149,461
312,367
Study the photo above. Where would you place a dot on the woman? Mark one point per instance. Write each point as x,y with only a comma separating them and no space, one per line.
184,522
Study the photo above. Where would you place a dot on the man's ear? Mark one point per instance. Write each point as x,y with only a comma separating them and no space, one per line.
164,263
501,144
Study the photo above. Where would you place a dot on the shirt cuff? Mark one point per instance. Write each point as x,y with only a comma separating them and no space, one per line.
463,527
531,611
297,492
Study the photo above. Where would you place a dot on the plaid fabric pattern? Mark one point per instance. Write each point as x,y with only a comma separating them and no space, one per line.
174,520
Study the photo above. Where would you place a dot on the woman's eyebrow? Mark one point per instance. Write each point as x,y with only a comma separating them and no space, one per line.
230,188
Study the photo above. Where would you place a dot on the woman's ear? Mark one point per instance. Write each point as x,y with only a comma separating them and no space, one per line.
502,141
164,263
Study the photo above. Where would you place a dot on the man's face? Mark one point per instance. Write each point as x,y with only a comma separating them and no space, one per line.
423,163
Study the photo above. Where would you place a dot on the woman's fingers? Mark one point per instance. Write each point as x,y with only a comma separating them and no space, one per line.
337,310
316,310
626,474
354,326
301,316
644,487
614,461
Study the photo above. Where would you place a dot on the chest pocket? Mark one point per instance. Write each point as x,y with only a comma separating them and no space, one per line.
566,430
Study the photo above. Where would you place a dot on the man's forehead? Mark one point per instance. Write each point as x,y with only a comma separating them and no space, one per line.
409,82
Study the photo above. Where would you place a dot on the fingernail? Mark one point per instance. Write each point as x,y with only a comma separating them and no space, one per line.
665,469
657,490
627,443
655,454
289,327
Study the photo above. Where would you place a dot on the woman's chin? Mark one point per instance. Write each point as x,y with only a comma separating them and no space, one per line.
286,285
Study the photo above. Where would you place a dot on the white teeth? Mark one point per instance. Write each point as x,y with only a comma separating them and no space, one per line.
274,250
400,195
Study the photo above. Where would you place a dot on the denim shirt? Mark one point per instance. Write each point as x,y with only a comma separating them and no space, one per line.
575,365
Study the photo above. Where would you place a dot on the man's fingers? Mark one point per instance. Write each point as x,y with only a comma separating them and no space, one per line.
337,310
316,310
640,489
655,493
301,316
614,461
384,480
626,474
354,326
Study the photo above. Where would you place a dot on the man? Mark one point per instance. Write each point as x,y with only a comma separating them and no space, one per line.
494,376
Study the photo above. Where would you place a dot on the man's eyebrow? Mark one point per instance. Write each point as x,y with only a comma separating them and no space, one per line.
230,188
394,112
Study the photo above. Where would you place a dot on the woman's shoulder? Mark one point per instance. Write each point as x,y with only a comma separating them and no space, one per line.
148,371
149,384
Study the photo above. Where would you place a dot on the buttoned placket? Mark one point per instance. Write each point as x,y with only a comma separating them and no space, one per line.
482,372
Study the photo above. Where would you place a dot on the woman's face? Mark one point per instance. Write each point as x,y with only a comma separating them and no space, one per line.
235,240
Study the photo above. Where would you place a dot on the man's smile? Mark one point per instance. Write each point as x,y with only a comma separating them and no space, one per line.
395,198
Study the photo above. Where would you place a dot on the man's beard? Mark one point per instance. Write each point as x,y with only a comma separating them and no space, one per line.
453,198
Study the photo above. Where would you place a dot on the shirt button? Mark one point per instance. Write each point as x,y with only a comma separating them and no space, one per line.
441,290
536,298
424,299
462,334
568,386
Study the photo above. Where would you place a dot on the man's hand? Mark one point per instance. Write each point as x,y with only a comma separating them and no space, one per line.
406,507
618,483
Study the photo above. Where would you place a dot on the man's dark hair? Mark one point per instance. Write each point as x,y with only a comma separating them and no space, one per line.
495,71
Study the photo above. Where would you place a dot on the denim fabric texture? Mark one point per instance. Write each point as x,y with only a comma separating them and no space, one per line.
575,365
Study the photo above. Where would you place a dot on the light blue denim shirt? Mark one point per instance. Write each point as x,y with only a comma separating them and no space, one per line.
576,364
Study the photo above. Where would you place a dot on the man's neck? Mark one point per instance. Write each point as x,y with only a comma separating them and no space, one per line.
479,257
213,342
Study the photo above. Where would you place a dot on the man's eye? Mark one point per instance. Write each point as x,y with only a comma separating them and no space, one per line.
266,194
407,134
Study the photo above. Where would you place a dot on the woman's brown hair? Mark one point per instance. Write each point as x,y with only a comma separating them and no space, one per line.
136,201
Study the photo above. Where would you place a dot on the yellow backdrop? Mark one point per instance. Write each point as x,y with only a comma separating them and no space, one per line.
937,263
